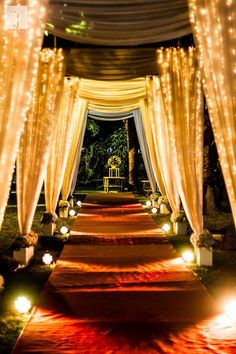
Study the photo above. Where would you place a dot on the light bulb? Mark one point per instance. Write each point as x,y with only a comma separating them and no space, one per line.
166,227
72,212
148,203
188,256
154,210
79,203
47,258
22,304
64,230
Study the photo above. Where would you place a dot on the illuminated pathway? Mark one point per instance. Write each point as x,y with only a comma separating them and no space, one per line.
119,287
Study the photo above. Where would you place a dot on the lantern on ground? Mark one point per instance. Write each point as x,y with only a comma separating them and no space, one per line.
148,203
166,227
64,230
47,258
72,212
22,304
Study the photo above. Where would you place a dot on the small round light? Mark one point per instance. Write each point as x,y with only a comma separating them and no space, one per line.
188,256
64,230
72,212
22,304
47,258
154,210
230,310
148,203
166,227
79,203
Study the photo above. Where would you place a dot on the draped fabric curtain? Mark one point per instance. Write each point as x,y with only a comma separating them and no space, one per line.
72,165
161,137
60,143
214,27
19,51
35,141
120,22
144,148
113,96
145,112
183,103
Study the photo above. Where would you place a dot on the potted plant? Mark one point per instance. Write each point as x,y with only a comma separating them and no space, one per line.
203,247
23,247
154,199
114,163
164,204
48,223
179,221
63,208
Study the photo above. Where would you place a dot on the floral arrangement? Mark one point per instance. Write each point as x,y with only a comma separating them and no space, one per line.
114,161
48,218
178,216
163,200
154,196
63,204
1,283
203,240
23,241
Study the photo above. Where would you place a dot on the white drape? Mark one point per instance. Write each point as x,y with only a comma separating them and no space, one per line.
19,50
183,103
144,148
72,165
35,141
214,27
162,142
60,143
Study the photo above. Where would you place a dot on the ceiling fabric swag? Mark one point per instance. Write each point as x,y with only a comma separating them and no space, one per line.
113,96
214,28
111,63
183,103
19,51
60,143
161,137
120,22
72,165
145,111
34,150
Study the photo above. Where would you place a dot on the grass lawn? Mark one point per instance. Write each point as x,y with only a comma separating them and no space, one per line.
28,281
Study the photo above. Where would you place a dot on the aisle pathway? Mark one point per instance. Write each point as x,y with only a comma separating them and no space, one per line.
119,287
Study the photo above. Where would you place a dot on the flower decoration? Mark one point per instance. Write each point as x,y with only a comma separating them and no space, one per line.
114,161
23,241
163,200
154,196
203,240
48,218
178,216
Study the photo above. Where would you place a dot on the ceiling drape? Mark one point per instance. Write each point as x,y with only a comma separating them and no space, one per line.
183,103
120,22
60,143
19,51
35,141
214,27
110,63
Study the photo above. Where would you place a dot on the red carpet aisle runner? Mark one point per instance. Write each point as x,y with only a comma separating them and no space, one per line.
119,287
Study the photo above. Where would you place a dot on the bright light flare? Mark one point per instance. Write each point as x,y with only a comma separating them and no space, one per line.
79,203
72,212
154,210
148,203
47,258
166,227
22,304
64,230
188,256
230,310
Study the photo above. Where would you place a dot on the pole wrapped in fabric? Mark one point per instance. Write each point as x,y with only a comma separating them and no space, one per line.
60,143
35,141
19,51
214,28
181,89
